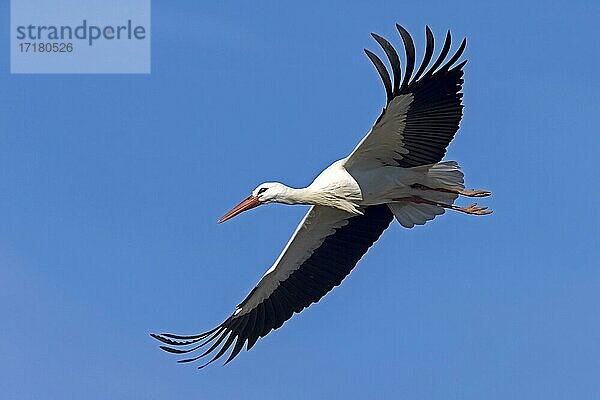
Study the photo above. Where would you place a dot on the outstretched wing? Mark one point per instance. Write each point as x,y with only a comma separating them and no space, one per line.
422,112
326,246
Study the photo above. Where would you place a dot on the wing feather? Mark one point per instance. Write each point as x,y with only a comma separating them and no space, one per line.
394,60
409,46
383,73
428,53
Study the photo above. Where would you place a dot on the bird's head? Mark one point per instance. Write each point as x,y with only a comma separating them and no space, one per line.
267,192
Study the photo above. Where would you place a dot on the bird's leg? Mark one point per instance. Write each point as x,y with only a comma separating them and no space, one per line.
469,193
472,209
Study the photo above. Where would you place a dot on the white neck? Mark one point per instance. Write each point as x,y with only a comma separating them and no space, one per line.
316,197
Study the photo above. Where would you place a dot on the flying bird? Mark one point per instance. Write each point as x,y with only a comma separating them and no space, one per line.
396,171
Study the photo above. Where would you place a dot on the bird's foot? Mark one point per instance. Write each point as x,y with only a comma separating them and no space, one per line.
473,210
475,193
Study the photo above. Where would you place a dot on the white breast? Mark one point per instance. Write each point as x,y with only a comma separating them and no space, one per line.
338,186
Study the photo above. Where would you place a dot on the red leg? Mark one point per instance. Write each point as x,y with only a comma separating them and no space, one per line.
472,209
469,193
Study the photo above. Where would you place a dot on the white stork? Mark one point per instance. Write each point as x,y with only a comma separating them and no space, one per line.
395,171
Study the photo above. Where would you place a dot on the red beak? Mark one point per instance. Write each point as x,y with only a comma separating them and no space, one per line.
247,204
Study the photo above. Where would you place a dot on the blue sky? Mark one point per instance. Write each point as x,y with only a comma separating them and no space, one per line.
111,186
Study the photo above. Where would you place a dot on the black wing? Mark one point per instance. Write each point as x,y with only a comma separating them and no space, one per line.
327,245
423,110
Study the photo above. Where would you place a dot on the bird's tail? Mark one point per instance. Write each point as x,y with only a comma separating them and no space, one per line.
447,175
443,175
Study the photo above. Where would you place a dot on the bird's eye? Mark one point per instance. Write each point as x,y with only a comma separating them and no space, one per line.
261,190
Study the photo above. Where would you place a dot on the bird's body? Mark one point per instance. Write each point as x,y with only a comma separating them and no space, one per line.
352,189
396,171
